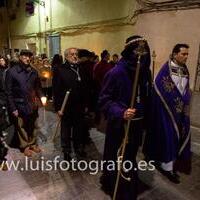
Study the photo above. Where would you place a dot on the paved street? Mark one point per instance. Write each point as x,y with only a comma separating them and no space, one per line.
76,185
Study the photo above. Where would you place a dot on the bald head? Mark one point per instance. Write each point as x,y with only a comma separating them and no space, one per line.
71,55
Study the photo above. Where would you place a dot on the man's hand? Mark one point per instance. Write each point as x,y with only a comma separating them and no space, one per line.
15,113
60,114
129,113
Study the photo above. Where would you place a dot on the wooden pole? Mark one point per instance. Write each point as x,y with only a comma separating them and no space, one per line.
153,66
59,120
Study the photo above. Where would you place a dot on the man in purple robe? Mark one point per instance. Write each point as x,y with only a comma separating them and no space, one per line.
168,138
114,101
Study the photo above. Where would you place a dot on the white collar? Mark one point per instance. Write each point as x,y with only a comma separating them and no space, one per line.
173,64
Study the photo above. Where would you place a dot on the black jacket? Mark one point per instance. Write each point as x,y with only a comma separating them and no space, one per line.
23,89
2,87
66,79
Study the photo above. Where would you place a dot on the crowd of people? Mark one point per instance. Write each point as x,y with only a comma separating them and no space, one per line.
121,90
26,78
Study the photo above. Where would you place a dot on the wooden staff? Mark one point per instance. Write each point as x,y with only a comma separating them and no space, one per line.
153,66
59,120
139,51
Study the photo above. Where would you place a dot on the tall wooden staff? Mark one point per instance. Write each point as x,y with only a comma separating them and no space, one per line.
139,51
153,66
59,120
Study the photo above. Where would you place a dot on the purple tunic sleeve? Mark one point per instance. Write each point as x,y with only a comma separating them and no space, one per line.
109,99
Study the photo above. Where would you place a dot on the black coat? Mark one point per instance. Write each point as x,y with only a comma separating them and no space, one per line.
2,87
23,89
65,79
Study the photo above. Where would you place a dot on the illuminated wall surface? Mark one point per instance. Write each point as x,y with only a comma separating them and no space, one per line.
165,29
103,24
3,27
92,24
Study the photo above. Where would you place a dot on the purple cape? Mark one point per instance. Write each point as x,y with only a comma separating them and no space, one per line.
168,138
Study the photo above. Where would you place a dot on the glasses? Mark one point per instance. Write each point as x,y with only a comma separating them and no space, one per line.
73,54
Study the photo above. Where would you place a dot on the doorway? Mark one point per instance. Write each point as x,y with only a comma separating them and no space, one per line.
32,47
54,45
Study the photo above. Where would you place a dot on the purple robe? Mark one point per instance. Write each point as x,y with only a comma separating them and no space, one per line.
114,99
168,138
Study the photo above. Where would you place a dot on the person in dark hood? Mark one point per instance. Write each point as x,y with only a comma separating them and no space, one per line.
114,101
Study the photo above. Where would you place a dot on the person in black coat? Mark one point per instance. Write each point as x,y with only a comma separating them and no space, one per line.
3,68
70,77
3,117
24,92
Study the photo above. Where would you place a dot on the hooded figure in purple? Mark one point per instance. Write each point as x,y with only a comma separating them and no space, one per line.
114,101
168,138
